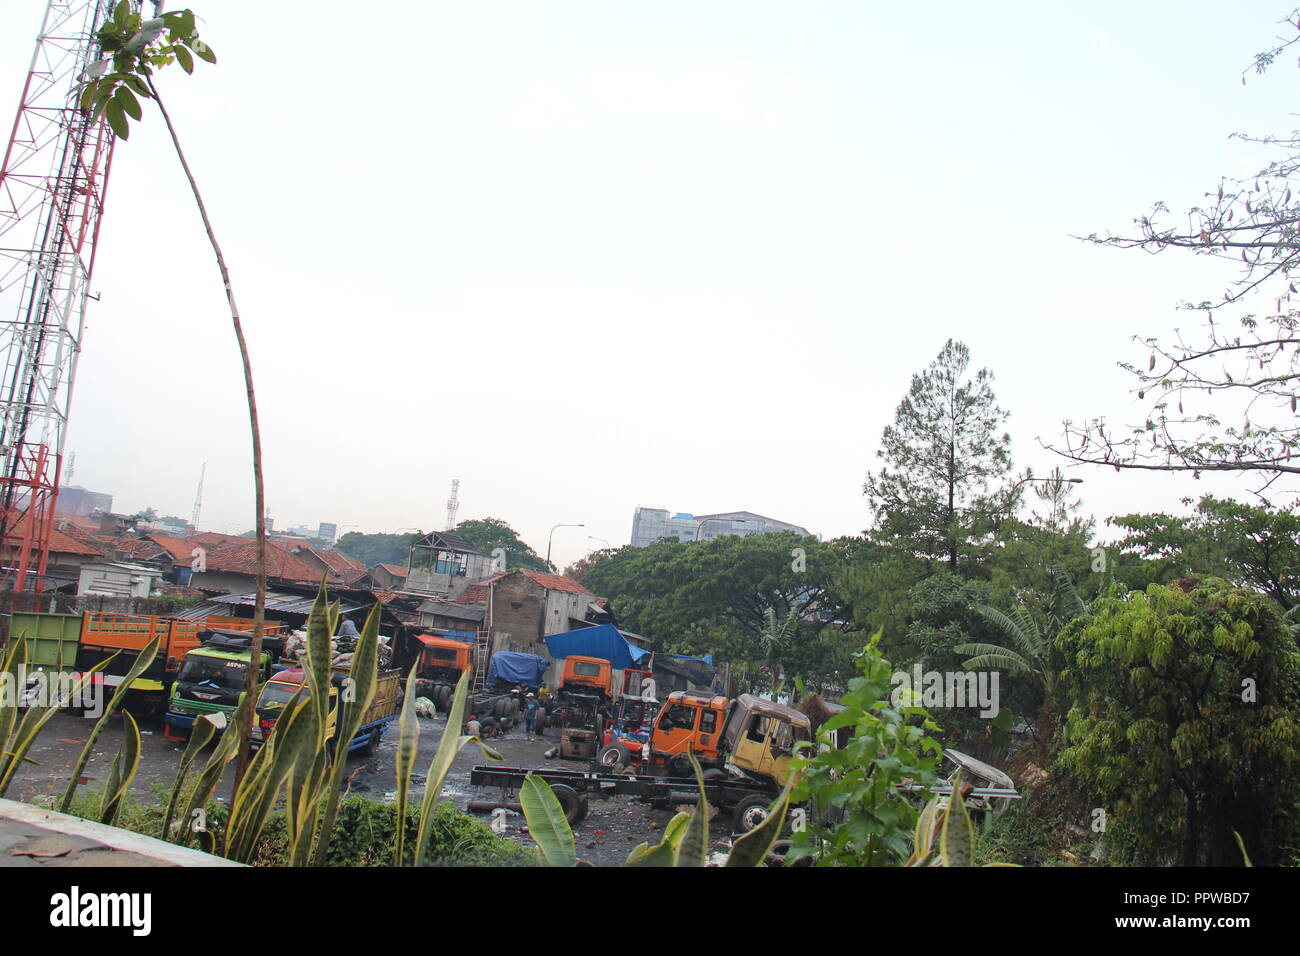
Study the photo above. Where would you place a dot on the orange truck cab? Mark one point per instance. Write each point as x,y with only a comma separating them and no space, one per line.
586,675
688,723
440,663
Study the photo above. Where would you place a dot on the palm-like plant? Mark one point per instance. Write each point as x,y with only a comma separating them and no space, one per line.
1028,647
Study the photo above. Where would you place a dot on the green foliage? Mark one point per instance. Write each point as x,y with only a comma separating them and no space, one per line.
134,48
716,597
1182,720
138,667
685,839
488,534
372,549
1249,546
857,815
943,461
546,822
364,832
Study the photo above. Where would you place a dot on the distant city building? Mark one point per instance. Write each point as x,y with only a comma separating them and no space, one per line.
655,524
75,500
327,531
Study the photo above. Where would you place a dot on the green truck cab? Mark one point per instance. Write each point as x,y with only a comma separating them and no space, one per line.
211,678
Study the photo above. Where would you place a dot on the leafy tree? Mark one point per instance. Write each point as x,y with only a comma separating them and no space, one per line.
1249,365
1181,709
943,460
134,48
1026,647
715,597
858,816
372,549
1250,546
488,534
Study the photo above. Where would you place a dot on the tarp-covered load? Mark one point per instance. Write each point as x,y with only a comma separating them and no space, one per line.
604,641
514,667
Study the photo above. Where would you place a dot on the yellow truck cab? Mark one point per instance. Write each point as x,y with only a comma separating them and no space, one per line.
284,684
760,737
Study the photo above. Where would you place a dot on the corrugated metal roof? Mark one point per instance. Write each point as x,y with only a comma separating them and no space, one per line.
275,601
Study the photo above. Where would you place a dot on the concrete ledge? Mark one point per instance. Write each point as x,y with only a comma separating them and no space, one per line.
31,836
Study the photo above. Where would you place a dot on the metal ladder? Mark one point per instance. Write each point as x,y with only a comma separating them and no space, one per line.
481,661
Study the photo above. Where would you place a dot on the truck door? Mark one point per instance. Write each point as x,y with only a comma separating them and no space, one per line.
675,729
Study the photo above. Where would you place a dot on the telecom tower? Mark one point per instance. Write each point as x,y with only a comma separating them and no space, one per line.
52,181
453,503
198,498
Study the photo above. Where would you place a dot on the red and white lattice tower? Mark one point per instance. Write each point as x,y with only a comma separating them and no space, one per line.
52,183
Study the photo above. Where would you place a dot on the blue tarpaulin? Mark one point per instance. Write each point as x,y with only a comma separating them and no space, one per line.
513,667
684,657
604,641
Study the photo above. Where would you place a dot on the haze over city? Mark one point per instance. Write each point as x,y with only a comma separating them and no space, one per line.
585,257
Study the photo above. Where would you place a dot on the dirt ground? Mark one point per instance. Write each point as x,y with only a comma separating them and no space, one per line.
612,827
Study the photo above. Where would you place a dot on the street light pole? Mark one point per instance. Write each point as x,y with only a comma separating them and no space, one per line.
551,537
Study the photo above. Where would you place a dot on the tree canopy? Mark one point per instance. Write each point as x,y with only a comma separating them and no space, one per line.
944,460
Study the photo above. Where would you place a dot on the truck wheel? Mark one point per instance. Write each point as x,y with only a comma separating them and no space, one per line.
679,765
371,744
750,813
614,756
573,804
443,699
539,721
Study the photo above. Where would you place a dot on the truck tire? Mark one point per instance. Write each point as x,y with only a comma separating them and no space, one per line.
614,757
443,698
679,765
573,804
539,721
750,813
371,745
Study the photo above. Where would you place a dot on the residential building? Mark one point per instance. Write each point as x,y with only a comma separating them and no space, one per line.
523,607
443,565
655,524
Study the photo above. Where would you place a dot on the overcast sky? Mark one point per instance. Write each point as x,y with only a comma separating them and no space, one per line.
589,256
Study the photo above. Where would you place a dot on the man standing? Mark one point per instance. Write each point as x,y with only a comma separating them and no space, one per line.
530,712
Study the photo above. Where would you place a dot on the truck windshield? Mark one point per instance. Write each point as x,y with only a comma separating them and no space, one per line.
440,654
584,669
274,696
227,675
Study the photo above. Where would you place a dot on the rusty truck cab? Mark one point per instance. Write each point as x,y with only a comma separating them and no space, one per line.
689,723
442,658
586,675
760,737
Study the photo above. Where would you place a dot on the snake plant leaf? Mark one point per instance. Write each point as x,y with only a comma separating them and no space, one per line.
694,850
408,741
752,849
122,772
142,662
957,833
200,736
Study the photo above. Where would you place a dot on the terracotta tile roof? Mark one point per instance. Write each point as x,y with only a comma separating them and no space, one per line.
279,563
140,549
393,569
215,540
178,548
60,543
557,582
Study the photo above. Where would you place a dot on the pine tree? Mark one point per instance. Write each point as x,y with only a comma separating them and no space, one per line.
944,460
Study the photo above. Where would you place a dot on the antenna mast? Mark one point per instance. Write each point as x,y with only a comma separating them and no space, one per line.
52,179
453,504
198,498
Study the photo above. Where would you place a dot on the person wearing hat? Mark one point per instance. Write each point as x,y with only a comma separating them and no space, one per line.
530,712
